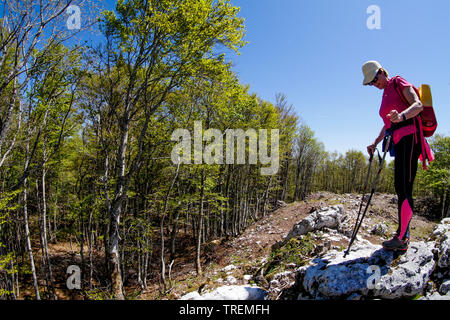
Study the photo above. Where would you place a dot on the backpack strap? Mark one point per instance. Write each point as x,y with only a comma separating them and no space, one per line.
399,92
417,125
408,122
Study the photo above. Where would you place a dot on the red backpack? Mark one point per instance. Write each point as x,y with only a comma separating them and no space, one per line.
429,122
427,115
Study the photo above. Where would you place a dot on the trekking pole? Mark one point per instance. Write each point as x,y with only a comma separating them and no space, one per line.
364,190
358,224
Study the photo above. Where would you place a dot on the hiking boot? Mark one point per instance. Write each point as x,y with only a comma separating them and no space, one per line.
396,244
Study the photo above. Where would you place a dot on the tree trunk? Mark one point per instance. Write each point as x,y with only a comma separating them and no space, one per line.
27,228
297,180
28,242
200,227
285,182
266,195
115,210
44,230
114,257
166,202
173,235
443,205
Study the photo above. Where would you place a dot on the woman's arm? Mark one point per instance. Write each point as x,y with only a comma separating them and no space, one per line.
415,107
371,148
380,136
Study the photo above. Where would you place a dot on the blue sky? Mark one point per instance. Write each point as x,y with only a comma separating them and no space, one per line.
312,51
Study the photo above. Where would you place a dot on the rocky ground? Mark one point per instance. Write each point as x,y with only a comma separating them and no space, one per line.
297,252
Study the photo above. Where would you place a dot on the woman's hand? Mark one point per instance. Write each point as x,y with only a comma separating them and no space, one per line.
371,149
394,116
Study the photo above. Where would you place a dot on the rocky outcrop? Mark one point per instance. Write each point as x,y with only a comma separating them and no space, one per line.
327,217
371,272
442,233
368,271
441,273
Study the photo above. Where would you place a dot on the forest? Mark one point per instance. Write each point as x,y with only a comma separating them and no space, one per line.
85,144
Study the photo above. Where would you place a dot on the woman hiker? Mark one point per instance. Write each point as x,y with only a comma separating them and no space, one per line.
399,107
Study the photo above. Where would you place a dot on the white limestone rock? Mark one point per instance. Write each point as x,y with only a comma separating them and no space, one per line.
229,293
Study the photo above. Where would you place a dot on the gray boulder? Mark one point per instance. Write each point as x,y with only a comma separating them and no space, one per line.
444,250
370,271
326,217
379,229
410,274
436,296
445,287
329,217
442,228
441,235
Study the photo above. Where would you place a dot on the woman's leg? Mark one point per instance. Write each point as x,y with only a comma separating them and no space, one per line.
406,157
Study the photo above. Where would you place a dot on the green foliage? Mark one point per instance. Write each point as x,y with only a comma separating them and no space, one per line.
5,263
435,181
4,292
7,259
98,294
173,36
6,205
437,177
296,251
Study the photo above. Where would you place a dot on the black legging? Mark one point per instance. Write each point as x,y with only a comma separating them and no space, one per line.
406,156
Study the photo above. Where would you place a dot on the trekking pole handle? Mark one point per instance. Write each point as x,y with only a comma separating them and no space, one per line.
371,154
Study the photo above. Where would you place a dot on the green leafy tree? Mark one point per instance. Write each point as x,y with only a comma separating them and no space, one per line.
436,179
153,47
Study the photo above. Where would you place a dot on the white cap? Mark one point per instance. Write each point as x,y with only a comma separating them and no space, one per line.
370,70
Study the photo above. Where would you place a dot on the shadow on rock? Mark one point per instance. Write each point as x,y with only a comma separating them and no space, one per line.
367,272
